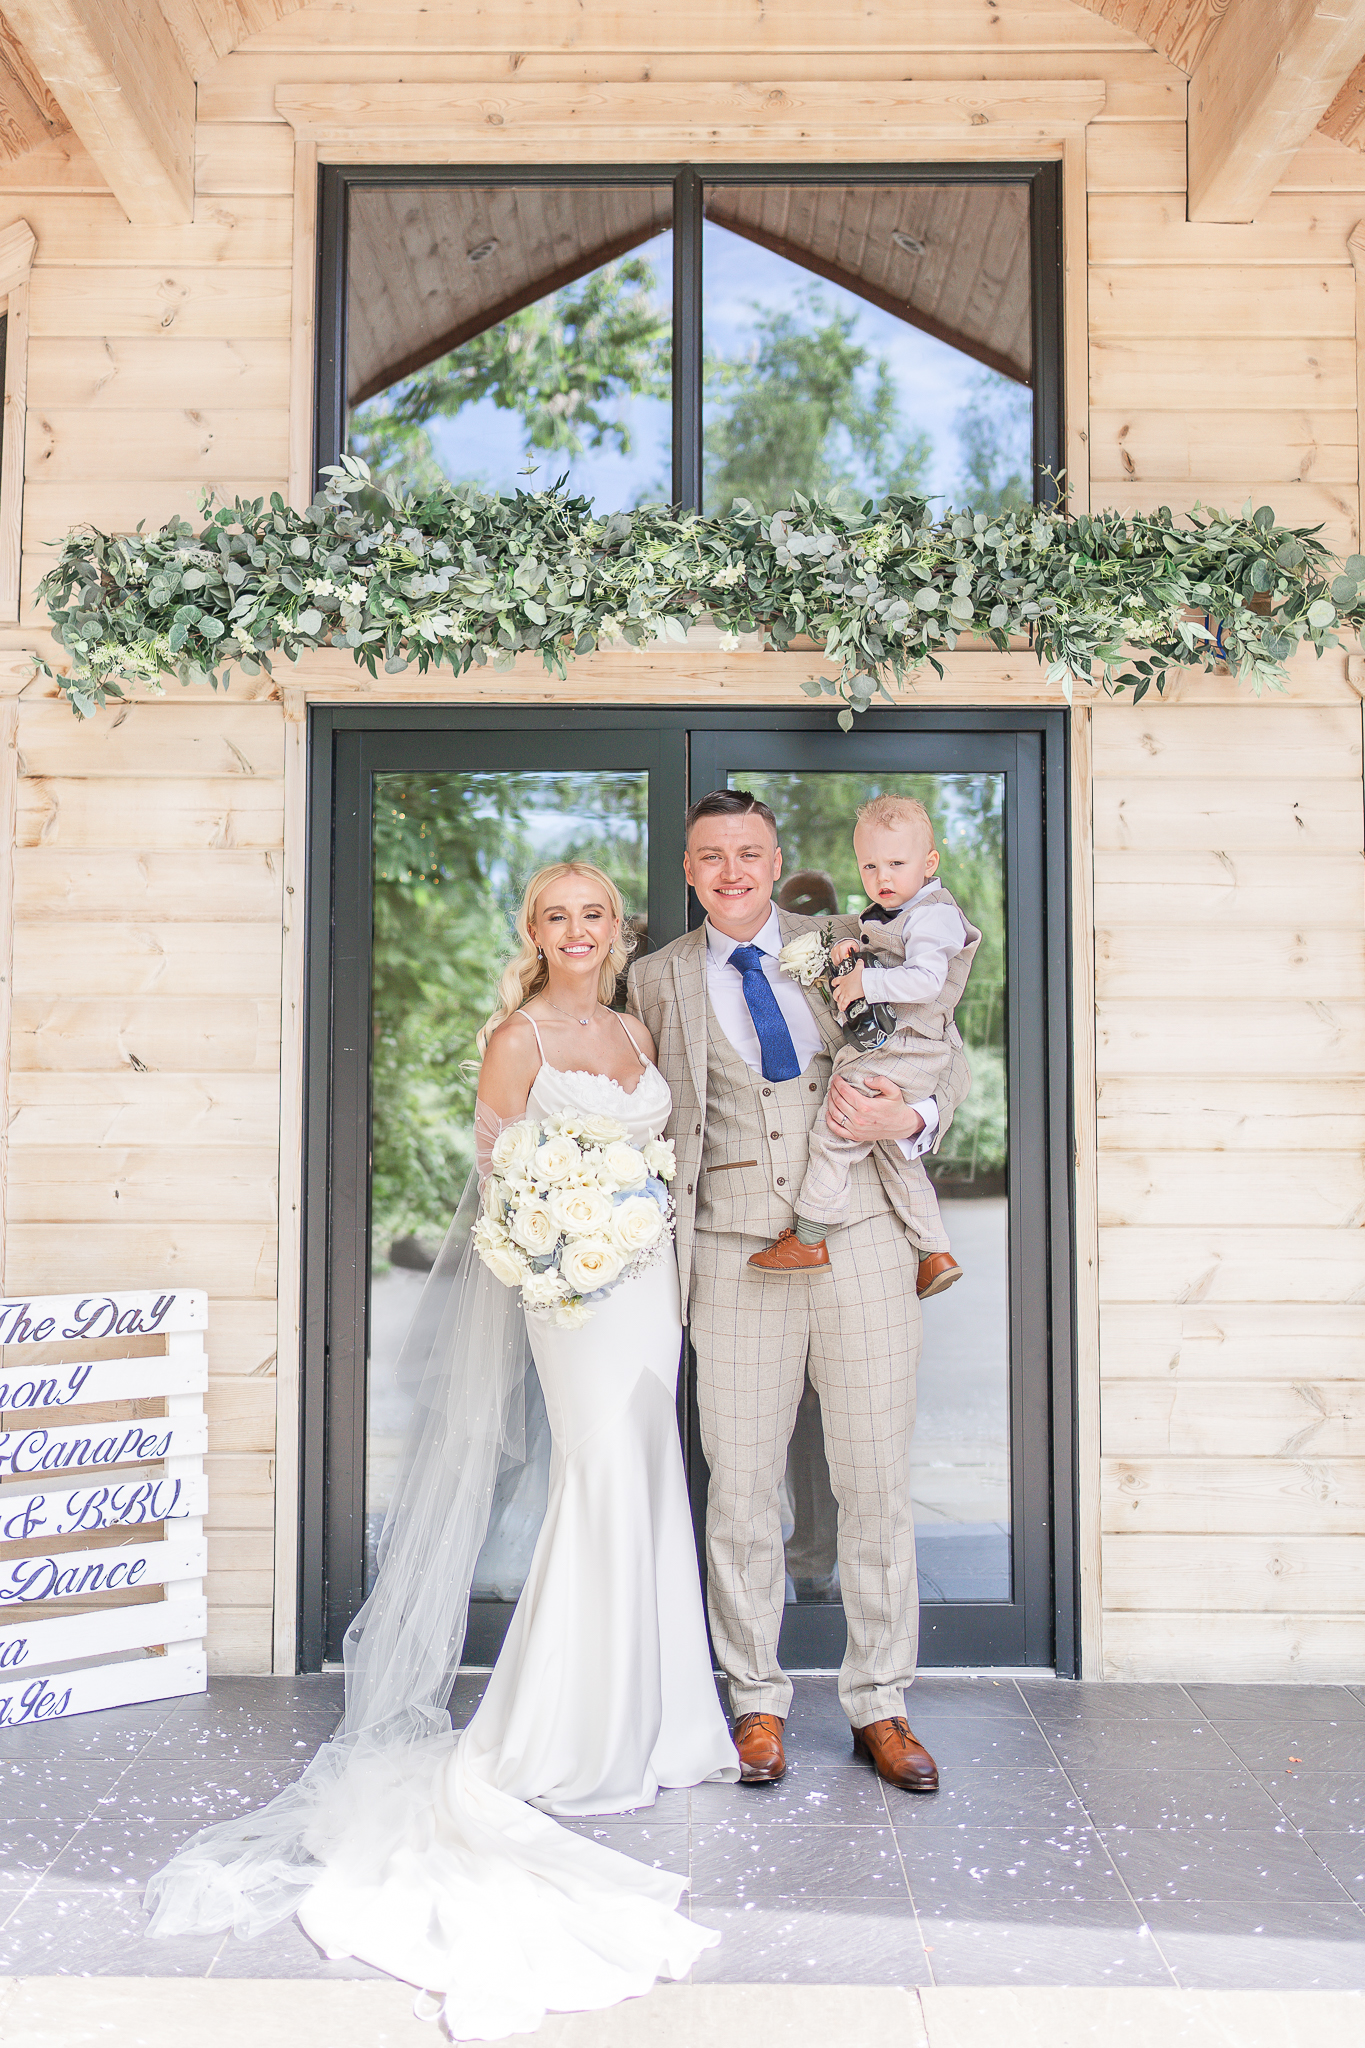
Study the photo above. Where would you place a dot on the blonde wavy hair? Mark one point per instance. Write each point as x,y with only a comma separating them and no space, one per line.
526,974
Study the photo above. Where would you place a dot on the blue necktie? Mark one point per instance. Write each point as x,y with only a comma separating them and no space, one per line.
774,1039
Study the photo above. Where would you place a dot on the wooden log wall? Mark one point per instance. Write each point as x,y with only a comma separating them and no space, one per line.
1228,840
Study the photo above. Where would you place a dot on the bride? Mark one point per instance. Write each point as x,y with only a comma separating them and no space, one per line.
432,1855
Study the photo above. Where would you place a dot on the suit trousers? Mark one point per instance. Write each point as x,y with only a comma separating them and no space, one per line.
856,1324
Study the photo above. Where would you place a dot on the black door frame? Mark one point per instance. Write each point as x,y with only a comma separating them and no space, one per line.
688,180
347,745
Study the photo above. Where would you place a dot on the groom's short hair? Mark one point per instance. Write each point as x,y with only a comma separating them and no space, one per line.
729,803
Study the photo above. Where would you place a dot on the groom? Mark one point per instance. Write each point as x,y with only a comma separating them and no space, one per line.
748,1057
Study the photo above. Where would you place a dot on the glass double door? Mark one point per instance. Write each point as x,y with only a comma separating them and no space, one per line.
426,828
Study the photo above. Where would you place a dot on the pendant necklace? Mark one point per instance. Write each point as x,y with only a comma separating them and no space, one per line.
584,1021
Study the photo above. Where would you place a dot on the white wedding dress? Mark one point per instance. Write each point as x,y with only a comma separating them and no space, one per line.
446,1874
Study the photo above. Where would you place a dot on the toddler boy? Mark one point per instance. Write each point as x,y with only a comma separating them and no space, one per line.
923,948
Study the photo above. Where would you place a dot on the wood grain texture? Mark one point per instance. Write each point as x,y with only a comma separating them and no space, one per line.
1316,1189
1237,1647
146,816
1215,1114
1264,79
197,888
1160,1037
172,1034
141,374
1231,1267
709,118
1233,1342
126,89
125,1107
1263,1419
77,1184
1291,814
230,1258
1226,1496
154,741
174,958
1222,965
1258,1574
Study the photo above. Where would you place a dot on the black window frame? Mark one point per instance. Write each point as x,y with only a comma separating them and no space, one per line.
688,180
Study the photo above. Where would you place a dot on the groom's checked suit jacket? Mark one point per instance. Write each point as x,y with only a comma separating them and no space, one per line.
668,990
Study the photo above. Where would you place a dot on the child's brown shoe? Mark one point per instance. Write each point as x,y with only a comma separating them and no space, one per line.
789,1255
936,1274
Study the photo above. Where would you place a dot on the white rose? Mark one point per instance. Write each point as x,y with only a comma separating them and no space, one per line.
557,1158
579,1211
532,1227
497,1254
601,1130
589,1263
625,1165
492,1198
658,1157
572,1316
636,1224
542,1290
804,958
515,1145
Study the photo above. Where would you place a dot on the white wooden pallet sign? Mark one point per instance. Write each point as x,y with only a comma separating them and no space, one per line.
101,1480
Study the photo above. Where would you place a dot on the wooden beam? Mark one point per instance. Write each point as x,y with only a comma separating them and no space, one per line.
1267,76
119,77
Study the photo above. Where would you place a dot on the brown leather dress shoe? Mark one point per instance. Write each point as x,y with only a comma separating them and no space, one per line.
789,1255
758,1738
936,1273
896,1755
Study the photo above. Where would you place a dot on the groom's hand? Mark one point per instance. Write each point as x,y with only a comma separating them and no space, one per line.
881,1113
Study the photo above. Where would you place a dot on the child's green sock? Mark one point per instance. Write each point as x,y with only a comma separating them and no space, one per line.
809,1233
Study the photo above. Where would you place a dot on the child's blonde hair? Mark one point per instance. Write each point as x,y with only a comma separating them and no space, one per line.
898,810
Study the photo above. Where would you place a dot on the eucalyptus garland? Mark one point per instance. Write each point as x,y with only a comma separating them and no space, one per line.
466,578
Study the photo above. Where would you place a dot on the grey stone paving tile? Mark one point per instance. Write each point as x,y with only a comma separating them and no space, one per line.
1218,1864
196,1791
56,1788
29,1847
121,1850
1073,1943
671,1804
790,1862
1176,1798
819,1941
984,1739
1269,1748
86,1934
808,1795
1076,1702
972,1872
1269,1703
121,1732
980,1796
283,1951
308,1689
662,1847
1292,1947
246,1733
1344,1855
1166,1744
965,1698
1320,1799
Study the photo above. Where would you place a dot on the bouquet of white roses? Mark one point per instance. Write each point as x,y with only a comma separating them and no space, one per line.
571,1208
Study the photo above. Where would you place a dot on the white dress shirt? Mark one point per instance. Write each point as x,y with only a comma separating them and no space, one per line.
933,935
725,986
